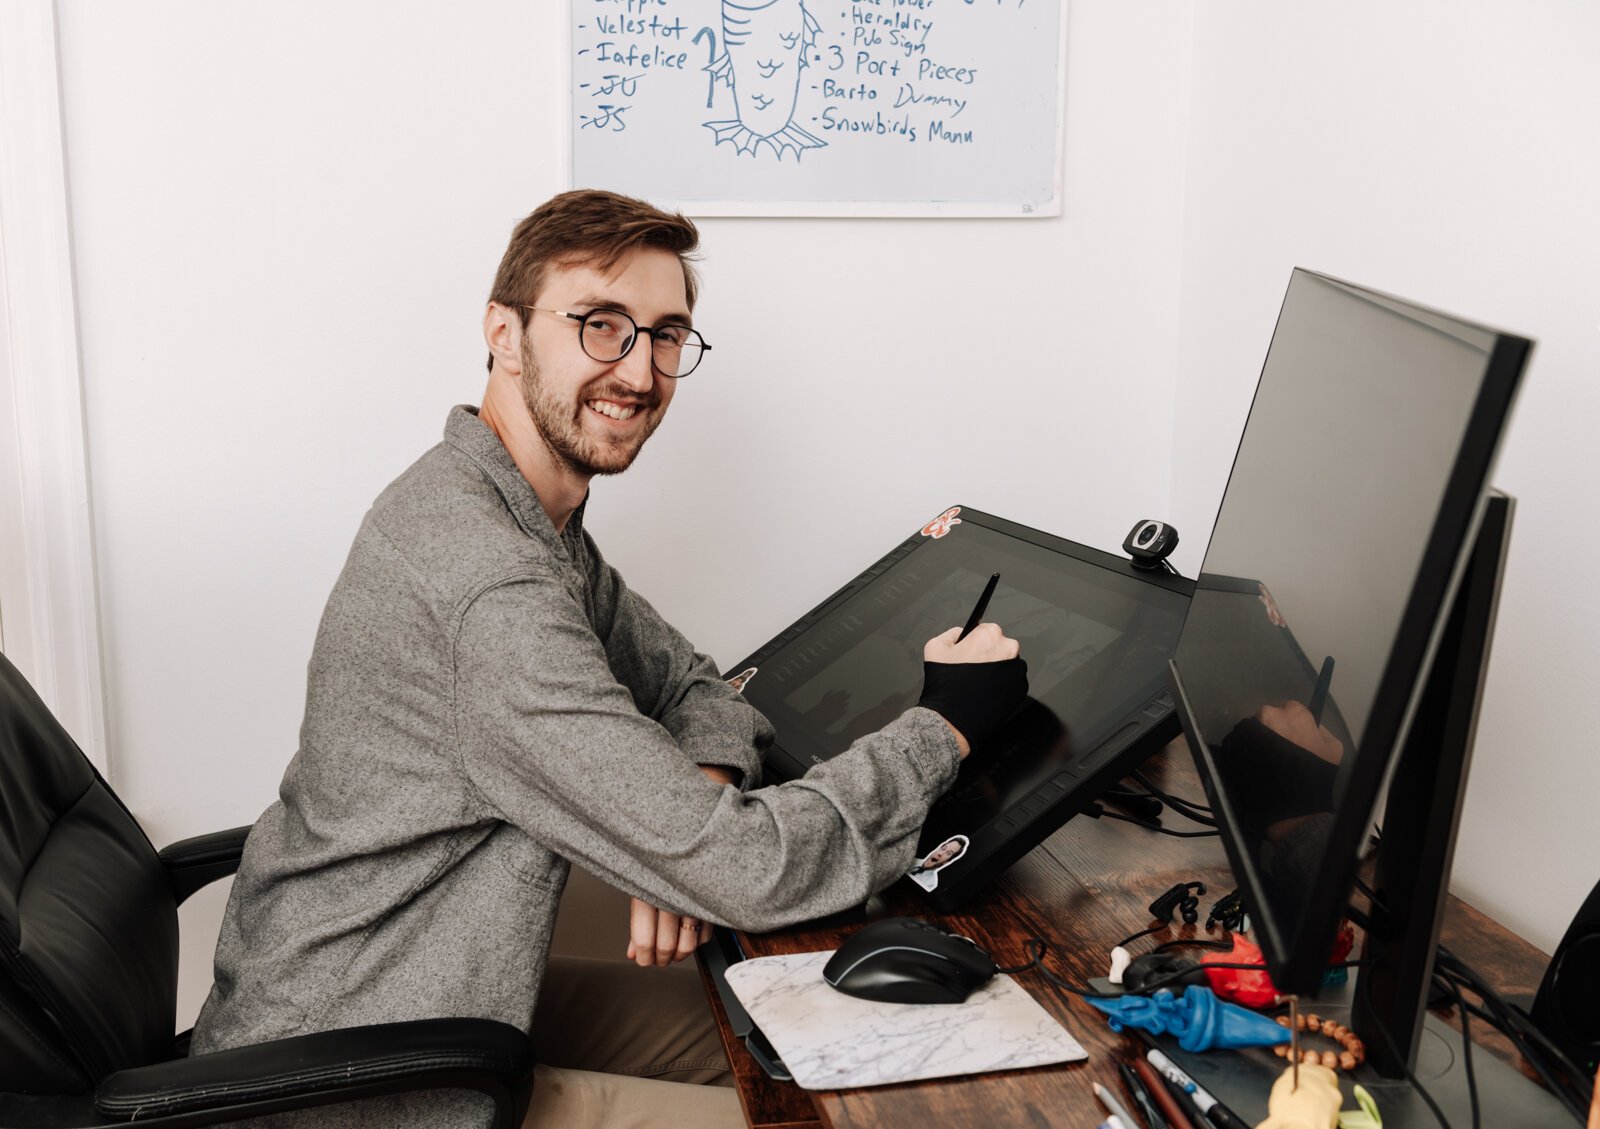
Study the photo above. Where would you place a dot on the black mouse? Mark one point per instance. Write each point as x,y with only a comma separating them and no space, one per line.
901,960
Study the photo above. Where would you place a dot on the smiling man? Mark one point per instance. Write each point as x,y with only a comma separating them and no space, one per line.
487,702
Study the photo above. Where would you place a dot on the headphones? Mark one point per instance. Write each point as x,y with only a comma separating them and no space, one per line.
1179,900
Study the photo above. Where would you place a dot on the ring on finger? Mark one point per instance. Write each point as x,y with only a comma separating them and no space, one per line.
689,923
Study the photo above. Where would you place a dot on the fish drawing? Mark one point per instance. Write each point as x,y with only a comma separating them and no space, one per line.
765,46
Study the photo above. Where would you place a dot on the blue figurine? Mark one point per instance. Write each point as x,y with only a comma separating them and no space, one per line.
1200,1021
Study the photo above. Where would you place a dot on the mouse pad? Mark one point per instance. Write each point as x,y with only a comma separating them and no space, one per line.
831,1041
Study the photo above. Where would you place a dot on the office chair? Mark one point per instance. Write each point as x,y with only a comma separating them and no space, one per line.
89,971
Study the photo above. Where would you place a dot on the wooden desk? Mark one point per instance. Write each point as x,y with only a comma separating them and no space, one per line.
1083,889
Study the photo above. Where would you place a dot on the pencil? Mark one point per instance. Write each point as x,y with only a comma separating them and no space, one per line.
1170,1109
1113,1107
1141,1097
978,609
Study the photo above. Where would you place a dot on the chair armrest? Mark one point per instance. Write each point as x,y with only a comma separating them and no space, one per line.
197,862
330,1066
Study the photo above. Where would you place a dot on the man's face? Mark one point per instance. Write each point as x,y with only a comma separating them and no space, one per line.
593,415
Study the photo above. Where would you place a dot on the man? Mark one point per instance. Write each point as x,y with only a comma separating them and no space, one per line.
488,700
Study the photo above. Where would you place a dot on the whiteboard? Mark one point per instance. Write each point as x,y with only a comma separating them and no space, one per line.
820,107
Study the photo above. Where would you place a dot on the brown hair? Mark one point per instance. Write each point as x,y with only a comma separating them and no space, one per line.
590,227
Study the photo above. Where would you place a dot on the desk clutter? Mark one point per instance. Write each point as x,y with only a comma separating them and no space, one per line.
832,1041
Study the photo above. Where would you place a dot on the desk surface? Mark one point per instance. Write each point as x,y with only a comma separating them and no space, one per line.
1083,889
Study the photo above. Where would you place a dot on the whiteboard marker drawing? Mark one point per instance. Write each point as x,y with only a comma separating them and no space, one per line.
764,49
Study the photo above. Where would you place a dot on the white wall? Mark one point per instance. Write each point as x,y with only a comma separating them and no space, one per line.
1445,152
286,218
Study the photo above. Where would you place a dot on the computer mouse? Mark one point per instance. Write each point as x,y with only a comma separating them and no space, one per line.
901,960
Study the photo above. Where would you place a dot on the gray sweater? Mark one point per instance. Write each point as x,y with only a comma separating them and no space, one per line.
487,701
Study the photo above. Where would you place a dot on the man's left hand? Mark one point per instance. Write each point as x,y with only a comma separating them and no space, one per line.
657,937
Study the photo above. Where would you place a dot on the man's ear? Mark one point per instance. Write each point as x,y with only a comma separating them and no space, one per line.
502,332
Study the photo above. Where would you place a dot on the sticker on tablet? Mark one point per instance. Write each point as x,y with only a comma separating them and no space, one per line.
742,679
926,872
941,525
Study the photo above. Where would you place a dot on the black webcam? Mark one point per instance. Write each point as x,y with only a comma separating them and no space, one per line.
1150,543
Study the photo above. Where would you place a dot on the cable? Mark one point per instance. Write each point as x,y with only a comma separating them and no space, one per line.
1466,1051
1122,944
1148,826
1036,948
1416,1084
1200,813
1545,1058
1522,1031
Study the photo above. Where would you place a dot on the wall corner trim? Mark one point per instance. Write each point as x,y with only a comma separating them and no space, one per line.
49,611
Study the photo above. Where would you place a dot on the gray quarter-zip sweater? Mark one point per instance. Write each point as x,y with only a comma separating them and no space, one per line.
487,701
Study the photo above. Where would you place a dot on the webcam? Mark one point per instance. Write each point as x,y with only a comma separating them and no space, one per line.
1150,543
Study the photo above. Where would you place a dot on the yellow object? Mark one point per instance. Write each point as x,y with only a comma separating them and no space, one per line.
1313,1105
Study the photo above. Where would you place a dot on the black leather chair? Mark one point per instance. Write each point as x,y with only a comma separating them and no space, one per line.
89,970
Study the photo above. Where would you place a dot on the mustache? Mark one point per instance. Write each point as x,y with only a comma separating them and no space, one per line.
620,394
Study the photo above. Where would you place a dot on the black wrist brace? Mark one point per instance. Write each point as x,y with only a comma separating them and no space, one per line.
976,698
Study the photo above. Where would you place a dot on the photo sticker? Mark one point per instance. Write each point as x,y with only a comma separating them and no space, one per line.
926,872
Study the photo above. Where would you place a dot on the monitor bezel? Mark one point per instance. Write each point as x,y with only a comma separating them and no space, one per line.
1296,963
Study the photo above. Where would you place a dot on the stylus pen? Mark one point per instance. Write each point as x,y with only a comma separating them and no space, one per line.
1141,1097
1219,1115
982,606
1176,1117
1319,692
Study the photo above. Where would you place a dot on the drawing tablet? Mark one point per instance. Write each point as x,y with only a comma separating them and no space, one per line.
1096,634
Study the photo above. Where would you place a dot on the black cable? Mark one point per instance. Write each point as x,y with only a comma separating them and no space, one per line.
1036,948
1173,977
1199,813
1156,928
1147,825
1531,1043
1521,1031
1416,1084
1138,774
1466,1051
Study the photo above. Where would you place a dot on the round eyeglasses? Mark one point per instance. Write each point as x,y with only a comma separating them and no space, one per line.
608,336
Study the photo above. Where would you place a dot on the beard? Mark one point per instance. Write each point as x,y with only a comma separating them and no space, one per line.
560,423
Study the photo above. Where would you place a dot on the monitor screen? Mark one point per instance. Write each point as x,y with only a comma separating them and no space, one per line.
1096,635
1095,641
1352,498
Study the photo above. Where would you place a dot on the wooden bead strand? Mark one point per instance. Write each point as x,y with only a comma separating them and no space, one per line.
1354,1051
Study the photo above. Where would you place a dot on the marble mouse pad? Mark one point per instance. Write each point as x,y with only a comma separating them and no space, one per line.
831,1041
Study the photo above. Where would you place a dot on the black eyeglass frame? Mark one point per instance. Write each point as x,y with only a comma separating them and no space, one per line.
583,324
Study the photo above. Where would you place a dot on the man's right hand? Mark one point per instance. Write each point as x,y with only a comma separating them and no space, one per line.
986,644
976,684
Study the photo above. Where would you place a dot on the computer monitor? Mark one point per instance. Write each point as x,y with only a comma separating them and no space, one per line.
1336,639
1096,633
